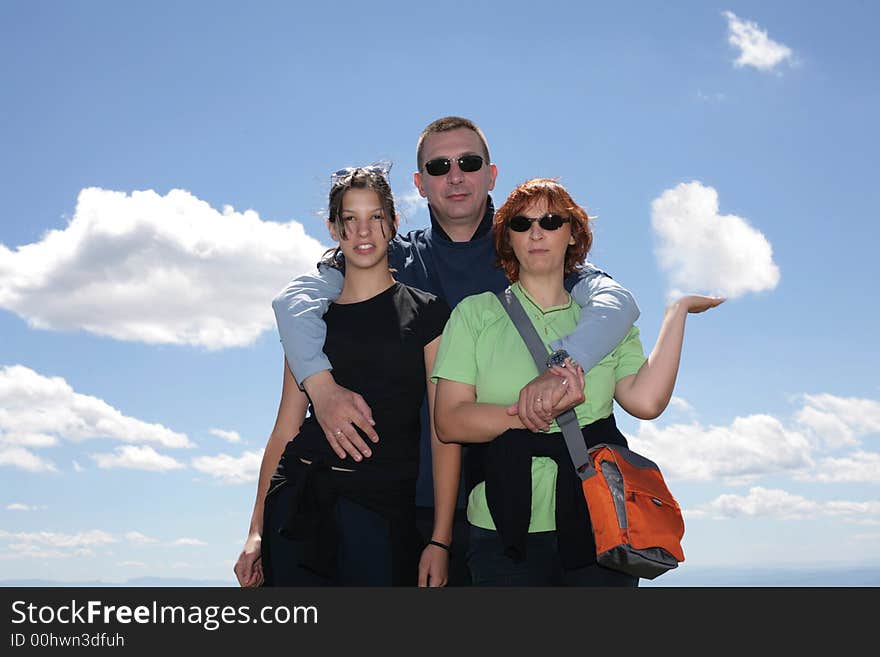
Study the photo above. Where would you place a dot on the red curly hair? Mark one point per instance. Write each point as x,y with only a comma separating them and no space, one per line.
558,201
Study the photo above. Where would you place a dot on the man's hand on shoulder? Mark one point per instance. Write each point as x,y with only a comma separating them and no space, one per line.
339,410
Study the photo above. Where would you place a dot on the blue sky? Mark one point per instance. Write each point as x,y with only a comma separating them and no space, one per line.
140,369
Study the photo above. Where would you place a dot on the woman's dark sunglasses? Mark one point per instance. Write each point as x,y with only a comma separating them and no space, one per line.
521,224
442,165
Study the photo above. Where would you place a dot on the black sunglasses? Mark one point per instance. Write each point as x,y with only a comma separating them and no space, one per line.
441,165
521,223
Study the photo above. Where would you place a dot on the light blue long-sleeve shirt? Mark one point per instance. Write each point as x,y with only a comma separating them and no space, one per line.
608,311
427,259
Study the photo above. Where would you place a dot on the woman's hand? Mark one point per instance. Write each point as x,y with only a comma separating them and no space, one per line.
433,567
249,568
697,303
573,376
548,395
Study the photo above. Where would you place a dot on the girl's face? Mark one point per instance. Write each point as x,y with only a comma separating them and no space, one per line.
367,230
540,251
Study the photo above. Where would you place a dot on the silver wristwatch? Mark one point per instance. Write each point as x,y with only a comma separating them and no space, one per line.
557,358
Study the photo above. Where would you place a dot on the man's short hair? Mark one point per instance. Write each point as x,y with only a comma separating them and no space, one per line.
446,124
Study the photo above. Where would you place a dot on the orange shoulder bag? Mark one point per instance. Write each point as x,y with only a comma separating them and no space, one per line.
637,524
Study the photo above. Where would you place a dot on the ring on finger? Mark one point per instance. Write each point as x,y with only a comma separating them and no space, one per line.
338,432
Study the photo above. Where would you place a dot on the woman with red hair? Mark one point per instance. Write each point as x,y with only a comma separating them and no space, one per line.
528,520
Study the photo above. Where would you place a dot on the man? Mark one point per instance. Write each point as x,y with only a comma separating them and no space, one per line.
453,258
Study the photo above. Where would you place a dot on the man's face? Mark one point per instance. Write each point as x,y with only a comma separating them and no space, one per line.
457,196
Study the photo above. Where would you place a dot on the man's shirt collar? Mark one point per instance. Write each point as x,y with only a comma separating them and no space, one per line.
484,227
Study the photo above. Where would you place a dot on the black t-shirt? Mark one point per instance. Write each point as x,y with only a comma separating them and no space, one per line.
377,350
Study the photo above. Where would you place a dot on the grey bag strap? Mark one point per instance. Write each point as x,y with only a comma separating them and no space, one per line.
567,421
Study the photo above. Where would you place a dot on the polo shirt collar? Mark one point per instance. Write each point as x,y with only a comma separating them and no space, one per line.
533,306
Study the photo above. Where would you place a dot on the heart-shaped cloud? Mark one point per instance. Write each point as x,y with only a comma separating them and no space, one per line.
704,251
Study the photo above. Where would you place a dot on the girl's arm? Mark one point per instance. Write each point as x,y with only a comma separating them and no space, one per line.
291,413
446,468
646,393
458,418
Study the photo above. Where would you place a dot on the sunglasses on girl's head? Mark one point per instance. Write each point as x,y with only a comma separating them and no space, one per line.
382,168
441,165
521,223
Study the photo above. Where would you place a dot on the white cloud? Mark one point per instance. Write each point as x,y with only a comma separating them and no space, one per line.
230,469
53,545
29,550
87,539
759,445
755,47
716,97
134,457
23,459
826,428
854,509
158,269
839,421
775,503
749,448
703,251
858,467
33,405
680,404
77,467
27,439
228,436
18,506
132,564
411,204
142,539
139,538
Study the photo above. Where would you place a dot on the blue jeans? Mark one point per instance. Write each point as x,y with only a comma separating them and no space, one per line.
542,567
363,551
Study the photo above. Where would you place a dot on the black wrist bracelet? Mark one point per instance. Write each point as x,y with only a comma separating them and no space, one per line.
439,544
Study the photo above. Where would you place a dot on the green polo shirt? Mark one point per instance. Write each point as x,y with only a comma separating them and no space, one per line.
481,347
